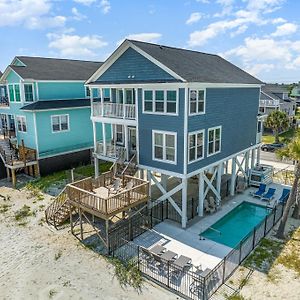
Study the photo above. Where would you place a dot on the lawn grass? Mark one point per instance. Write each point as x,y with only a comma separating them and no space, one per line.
44,182
284,137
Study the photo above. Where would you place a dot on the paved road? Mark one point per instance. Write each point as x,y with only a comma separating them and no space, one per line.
269,156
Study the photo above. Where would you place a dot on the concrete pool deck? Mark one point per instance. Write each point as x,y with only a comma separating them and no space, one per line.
205,253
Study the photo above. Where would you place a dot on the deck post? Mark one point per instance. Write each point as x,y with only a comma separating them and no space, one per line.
184,203
14,178
104,138
201,194
233,176
80,220
8,174
252,158
247,155
219,181
107,234
96,165
126,142
149,179
71,219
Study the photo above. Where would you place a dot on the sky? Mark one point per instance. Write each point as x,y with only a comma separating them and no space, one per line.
260,36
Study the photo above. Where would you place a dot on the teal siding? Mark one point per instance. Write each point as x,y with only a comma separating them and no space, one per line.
61,90
12,77
29,136
79,136
130,64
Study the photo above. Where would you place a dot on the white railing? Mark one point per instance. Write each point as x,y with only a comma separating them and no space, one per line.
269,103
114,110
112,151
258,137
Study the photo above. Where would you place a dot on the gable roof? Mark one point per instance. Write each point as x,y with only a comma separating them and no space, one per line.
196,66
272,91
57,104
42,68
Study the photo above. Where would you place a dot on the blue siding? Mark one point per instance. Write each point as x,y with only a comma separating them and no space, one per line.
235,109
149,122
131,63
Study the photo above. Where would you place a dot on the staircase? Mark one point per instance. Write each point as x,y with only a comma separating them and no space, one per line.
59,210
121,168
7,152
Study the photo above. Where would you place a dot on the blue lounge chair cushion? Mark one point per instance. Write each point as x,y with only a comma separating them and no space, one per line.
284,196
269,194
261,190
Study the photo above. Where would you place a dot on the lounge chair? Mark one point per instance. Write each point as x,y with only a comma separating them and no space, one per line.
207,207
116,186
261,190
284,196
269,195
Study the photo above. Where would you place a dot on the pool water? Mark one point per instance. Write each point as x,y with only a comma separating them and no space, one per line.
237,224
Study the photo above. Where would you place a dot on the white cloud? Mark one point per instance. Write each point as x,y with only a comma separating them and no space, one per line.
105,6
264,6
194,18
285,29
77,15
85,2
256,69
278,20
33,14
240,30
144,37
296,62
76,46
227,7
203,1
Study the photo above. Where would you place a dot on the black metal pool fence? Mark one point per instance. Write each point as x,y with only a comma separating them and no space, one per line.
191,284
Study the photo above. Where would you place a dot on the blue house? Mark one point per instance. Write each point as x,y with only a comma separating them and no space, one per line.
45,107
181,113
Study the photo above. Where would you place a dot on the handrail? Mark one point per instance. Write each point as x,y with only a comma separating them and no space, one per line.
129,163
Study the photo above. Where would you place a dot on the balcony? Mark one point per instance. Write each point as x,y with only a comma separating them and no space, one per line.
114,110
110,150
269,103
4,101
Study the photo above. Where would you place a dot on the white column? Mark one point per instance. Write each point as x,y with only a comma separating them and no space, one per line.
252,158
258,156
200,194
184,203
102,101
219,180
126,141
92,102
233,175
96,163
247,154
226,166
149,179
124,112
95,136
104,138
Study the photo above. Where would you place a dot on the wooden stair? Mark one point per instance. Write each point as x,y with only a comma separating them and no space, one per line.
7,152
59,210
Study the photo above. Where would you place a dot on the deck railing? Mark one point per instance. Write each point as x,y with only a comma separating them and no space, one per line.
114,110
269,103
110,150
82,193
4,101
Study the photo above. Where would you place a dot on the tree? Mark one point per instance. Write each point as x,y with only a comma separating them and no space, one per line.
291,151
277,120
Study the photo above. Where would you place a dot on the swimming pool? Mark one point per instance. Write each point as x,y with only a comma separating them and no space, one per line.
237,224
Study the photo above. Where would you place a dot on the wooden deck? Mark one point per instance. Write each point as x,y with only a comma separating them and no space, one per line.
83,194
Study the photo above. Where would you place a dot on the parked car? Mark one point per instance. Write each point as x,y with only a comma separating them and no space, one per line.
272,147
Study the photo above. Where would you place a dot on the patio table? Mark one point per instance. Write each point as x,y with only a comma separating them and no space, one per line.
182,261
157,249
168,255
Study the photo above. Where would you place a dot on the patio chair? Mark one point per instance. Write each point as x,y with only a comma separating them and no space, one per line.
269,195
116,186
261,190
284,196
241,186
129,185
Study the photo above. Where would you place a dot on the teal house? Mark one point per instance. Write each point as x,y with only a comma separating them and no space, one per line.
45,106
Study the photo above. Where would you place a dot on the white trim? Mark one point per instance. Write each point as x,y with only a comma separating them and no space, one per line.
220,148
60,116
158,170
185,130
54,109
197,102
36,136
164,133
53,80
22,118
165,113
37,92
203,149
137,125
24,95
66,152
109,120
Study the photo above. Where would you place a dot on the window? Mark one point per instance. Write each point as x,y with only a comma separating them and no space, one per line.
119,134
214,140
11,93
17,92
21,123
164,146
197,102
60,123
28,89
119,96
262,109
160,101
196,146
87,92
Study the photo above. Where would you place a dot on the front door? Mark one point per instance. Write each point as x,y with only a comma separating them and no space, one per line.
132,141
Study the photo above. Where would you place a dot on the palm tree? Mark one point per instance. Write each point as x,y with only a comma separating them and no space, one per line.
291,151
277,120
